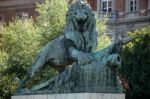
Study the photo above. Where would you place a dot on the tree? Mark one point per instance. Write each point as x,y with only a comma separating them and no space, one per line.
52,19
103,39
135,67
20,43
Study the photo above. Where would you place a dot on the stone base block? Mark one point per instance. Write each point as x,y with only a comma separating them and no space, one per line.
72,96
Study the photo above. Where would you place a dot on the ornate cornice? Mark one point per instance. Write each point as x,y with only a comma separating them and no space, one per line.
127,21
18,4
23,6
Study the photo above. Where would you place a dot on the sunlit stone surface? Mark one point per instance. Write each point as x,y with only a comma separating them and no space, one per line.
73,96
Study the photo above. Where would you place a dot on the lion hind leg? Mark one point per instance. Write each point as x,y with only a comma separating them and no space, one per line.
38,63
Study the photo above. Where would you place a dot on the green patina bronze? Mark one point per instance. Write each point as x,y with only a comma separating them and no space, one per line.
81,69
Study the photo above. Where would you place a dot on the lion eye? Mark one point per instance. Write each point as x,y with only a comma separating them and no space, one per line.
75,13
85,13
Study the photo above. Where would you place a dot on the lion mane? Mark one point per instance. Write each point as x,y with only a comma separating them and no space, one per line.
85,41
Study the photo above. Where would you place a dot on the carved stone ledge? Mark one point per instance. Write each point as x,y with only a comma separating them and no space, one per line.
73,96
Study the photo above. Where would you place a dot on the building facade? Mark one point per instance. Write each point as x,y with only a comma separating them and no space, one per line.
10,9
122,15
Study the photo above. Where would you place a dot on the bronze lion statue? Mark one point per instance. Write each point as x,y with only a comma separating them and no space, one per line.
76,45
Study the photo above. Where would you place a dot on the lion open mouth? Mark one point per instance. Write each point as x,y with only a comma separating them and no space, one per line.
81,25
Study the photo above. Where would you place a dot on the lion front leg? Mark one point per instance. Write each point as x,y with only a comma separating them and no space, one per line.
38,63
79,56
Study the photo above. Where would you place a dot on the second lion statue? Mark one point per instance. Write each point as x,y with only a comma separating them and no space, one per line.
76,45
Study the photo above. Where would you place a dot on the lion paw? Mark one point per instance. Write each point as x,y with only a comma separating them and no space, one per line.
84,58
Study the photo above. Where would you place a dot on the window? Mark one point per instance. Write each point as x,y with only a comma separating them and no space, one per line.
132,5
107,5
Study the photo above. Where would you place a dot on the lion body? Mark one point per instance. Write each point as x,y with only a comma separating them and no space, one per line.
54,53
80,33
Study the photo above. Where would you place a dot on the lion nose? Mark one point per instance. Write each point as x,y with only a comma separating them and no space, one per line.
81,16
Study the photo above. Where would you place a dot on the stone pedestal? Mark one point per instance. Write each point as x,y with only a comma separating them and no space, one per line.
72,96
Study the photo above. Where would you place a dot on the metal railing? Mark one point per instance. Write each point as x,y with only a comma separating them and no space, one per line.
109,15
114,15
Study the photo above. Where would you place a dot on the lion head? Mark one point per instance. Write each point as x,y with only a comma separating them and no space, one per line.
81,26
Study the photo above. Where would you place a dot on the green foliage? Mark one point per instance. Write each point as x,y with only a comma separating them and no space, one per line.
52,19
103,40
7,86
101,26
20,40
20,44
135,67
3,60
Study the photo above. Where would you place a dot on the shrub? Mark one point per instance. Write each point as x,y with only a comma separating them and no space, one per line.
52,19
135,67
20,43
